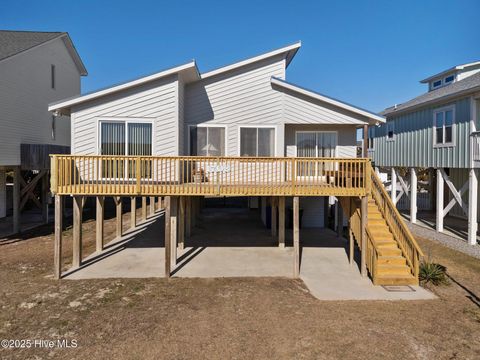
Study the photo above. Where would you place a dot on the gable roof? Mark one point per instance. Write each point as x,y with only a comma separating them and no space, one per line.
455,68
189,68
16,42
464,86
374,118
289,52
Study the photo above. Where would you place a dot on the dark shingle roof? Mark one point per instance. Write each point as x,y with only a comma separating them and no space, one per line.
14,42
469,83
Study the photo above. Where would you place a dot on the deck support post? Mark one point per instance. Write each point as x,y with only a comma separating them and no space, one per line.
77,231
472,206
413,195
16,199
439,206
393,186
181,223
273,207
119,222
173,229
152,205
144,209
351,245
188,217
159,203
296,237
281,222
364,220
168,234
57,257
133,212
339,219
99,223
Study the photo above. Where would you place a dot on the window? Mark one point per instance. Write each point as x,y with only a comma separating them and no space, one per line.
449,79
52,73
207,140
390,130
443,126
436,83
257,141
124,138
53,127
315,144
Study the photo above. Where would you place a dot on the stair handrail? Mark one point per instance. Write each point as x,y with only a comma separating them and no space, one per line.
400,231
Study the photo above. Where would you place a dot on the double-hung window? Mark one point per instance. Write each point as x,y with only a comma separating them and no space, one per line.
207,140
443,126
257,141
124,138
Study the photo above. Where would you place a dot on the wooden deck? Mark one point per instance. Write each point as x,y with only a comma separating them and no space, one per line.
203,176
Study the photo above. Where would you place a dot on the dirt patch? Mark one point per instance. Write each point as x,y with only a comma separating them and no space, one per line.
226,318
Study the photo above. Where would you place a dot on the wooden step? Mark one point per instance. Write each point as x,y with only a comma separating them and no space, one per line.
377,222
386,245
389,252
372,216
393,270
395,280
392,260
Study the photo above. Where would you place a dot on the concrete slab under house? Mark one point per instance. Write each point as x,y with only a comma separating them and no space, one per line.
179,139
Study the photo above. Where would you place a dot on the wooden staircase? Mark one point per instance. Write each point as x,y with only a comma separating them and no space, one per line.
391,267
392,255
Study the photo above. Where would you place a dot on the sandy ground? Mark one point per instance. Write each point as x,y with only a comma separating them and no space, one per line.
225,318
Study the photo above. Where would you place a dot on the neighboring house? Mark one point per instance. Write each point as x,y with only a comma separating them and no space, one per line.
240,130
436,131
36,68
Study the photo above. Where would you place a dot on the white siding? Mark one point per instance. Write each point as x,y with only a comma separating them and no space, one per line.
300,109
346,138
240,97
25,92
313,211
157,101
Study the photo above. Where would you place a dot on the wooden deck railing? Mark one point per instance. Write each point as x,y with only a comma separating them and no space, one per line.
224,176
400,231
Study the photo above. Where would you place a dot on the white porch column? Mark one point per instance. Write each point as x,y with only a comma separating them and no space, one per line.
413,196
472,207
393,193
439,203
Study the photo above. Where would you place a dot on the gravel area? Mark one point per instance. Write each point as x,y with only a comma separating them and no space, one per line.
444,239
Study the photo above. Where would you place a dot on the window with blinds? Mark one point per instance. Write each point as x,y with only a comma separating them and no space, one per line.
315,144
125,138
257,142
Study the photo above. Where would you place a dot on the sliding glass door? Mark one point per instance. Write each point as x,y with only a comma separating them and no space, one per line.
315,144
125,138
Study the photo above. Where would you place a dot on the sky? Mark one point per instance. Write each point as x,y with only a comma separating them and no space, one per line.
368,53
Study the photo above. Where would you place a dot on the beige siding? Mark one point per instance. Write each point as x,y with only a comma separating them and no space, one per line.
25,92
156,101
240,97
346,138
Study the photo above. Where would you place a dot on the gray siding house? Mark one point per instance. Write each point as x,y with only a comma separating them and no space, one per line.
437,131
36,68
243,109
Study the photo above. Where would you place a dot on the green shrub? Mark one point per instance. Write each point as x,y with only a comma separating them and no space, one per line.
433,273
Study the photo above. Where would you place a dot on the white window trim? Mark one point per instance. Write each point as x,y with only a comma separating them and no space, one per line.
392,123
240,127
317,131
126,121
207,126
433,87
442,81
454,123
